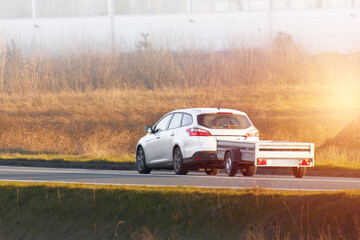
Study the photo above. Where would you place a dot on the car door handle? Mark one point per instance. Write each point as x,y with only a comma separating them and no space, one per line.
172,134
158,137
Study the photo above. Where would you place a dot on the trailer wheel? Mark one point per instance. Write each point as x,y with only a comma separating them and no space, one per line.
212,171
230,167
249,170
299,172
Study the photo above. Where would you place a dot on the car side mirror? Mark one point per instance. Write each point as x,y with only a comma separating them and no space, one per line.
149,129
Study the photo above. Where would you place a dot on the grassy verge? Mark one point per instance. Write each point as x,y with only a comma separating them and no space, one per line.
58,211
126,162
326,159
338,158
69,158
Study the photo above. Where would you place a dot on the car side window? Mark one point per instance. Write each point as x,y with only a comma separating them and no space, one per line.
176,121
187,120
163,123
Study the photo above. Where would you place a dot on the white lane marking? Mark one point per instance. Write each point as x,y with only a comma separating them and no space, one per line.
310,180
64,171
167,174
172,185
69,171
79,170
92,172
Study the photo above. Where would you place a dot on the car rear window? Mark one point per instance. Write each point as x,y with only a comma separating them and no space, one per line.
224,121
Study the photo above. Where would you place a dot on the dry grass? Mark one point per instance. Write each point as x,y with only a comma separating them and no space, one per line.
83,67
338,157
96,103
87,211
109,123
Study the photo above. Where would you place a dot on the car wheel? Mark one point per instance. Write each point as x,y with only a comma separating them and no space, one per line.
141,161
230,167
212,171
299,172
179,166
249,170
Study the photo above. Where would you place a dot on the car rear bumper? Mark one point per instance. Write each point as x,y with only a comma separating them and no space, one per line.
203,159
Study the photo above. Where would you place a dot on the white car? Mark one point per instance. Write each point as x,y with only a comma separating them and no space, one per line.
186,139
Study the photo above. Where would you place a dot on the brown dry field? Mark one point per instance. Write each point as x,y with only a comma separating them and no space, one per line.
109,123
96,103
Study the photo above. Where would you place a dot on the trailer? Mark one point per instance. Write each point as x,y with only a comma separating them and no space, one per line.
248,156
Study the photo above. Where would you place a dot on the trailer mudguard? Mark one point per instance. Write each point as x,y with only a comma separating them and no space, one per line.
235,154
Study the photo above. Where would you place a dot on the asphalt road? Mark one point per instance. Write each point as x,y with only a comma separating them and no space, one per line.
168,178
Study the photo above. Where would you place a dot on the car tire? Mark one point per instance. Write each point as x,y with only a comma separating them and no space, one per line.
249,170
299,172
141,161
211,171
179,166
231,167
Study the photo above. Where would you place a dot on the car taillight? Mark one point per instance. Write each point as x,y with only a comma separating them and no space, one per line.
252,133
198,132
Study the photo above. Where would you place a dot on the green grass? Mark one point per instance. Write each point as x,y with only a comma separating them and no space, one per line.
335,157
331,158
58,211
68,158
326,158
126,162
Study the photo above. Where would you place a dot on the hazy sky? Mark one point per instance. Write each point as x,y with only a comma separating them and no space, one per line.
60,8
330,24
